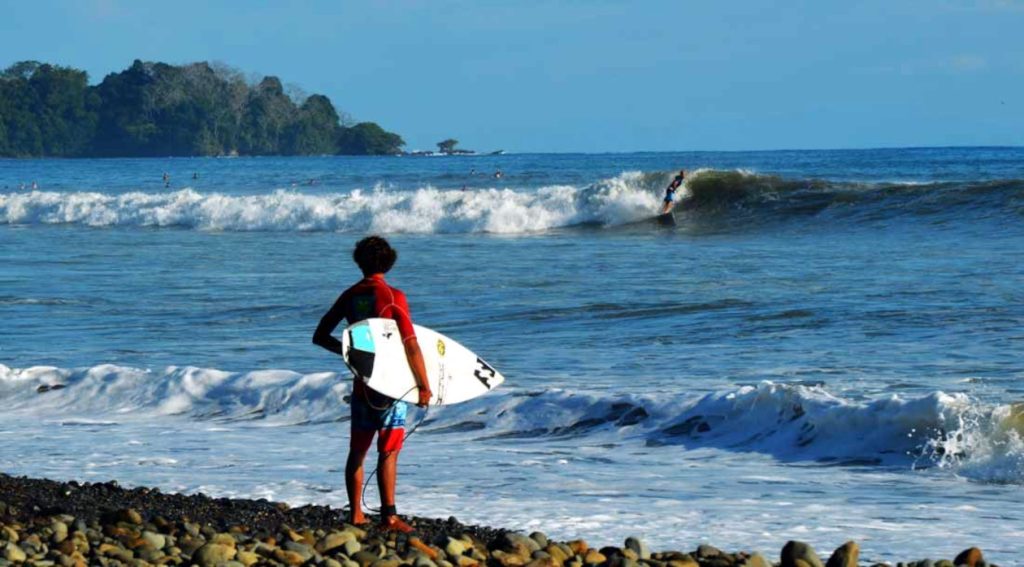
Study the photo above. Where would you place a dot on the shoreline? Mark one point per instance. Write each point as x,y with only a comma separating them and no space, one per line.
46,523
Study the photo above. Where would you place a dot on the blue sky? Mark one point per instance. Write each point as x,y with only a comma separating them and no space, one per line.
589,75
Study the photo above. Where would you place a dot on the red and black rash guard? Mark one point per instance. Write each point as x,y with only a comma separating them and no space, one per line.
370,297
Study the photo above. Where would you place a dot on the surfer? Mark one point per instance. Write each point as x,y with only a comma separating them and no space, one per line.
374,413
670,191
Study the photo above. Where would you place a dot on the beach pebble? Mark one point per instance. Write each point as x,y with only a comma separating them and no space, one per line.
540,538
247,558
594,557
155,540
755,560
705,551
578,547
364,558
14,554
334,540
543,562
799,554
211,554
60,531
454,547
557,553
638,546
508,559
971,557
845,555
352,547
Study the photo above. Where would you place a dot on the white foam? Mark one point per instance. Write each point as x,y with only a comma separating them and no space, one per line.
613,201
788,422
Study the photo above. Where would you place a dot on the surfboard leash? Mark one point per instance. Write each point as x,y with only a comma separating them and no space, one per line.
369,477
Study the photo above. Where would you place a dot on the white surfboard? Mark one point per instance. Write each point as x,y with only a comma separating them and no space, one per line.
374,352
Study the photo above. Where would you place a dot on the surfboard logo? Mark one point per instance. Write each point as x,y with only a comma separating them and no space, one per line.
440,347
484,373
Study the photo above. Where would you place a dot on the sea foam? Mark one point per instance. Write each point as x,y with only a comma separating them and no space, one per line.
793,423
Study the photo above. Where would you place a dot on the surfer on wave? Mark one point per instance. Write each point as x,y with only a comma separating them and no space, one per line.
374,413
670,191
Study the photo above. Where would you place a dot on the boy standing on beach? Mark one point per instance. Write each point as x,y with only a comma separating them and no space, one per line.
374,413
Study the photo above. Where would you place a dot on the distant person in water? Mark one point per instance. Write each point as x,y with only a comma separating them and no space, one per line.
498,174
167,180
670,191
373,413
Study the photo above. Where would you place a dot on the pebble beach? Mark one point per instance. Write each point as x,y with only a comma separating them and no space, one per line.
44,523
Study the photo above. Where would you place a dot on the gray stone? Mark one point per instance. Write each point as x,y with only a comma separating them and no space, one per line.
302,549
795,551
212,554
334,540
637,545
352,547
158,541
540,538
704,551
60,531
513,540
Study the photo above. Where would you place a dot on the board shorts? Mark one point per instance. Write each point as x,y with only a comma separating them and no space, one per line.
372,414
669,195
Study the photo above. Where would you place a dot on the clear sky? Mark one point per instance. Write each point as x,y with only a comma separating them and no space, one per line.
588,75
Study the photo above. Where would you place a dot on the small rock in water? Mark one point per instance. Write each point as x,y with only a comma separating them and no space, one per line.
705,551
845,555
799,554
970,557
638,546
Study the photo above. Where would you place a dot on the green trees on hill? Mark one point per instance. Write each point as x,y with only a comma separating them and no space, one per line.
155,109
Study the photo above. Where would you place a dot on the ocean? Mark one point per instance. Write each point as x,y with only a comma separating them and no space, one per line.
826,347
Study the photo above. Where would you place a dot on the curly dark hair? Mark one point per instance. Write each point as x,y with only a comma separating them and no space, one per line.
374,255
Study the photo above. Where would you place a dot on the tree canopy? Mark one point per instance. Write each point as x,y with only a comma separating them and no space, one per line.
156,109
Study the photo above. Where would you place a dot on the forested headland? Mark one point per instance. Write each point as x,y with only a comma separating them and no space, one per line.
156,110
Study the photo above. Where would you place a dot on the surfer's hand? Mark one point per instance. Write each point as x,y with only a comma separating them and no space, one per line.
424,397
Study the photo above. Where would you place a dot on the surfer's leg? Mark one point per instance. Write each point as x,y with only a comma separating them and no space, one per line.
358,447
363,428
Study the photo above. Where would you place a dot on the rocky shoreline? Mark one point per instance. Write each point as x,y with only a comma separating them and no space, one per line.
45,523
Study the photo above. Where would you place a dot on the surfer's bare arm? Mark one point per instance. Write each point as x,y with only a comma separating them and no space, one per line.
322,336
419,369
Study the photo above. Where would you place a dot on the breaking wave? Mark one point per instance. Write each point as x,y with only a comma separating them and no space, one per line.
982,442
710,197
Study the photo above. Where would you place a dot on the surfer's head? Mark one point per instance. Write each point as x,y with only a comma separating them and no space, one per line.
374,255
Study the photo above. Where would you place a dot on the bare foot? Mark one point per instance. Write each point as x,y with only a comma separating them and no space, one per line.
395,524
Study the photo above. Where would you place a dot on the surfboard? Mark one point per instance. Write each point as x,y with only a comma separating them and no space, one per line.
667,219
374,352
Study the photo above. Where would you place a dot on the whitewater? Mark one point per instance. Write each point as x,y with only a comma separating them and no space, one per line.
826,347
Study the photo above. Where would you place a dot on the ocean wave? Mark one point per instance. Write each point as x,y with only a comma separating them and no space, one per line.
791,422
709,197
